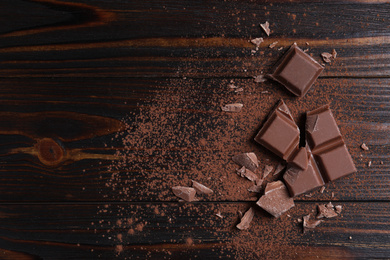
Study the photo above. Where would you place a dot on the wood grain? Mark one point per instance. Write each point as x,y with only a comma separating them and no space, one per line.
84,231
89,140
49,38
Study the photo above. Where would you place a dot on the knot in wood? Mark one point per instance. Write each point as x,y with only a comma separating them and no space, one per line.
50,152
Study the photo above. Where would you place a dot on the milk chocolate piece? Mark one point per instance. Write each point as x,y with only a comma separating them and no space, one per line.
300,181
327,145
279,134
276,199
185,193
309,221
246,219
201,189
297,71
249,160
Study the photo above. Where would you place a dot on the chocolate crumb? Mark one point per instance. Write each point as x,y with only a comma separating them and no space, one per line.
201,189
246,219
305,50
272,45
334,54
219,214
308,195
249,160
235,108
244,172
310,222
332,194
381,162
267,170
322,189
369,163
338,209
364,147
232,86
299,220
326,211
185,193
307,43
280,48
239,90
326,56
257,41
265,27
350,238
259,78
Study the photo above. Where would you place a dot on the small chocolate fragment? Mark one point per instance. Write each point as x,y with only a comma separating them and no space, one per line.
201,189
369,164
249,160
327,145
185,193
322,189
272,45
326,211
235,108
334,54
257,41
244,172
364,147
279,133
326,57
300,159
259,78
310,222
276,199
267,170
265,27
246,219
300,181
338,209
219,214
297,71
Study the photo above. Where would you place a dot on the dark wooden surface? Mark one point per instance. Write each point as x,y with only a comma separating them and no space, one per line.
72,70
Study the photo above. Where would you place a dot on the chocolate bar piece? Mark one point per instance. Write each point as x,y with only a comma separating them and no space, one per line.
300,181
297,71
276,199
279,134
327,144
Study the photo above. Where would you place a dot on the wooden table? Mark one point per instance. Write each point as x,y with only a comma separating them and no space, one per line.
107,104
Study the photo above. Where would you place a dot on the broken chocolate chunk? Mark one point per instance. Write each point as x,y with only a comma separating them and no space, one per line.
249,160
246,219
310,222
257,41
326,56
201,189
244,172
265,27
364,147
185,193
279,133
297,71
338,209
326,211
276,199
300,181
235,108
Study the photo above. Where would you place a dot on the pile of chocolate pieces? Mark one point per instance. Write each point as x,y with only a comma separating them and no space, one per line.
324,157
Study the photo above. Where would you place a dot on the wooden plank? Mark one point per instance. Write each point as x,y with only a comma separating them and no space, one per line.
121,140
157,38
160,230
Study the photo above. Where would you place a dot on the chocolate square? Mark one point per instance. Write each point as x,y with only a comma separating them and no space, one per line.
297,71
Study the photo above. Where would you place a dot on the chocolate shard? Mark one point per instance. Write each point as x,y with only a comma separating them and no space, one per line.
265,27
300,181
279,168
260,78
326,211
327,145
309,221
279,133
297,71
300,159
276,199
244,172
267,170
235,108
272,45
257,187
326,57
249,160
338,209
185,193
334,54
257,41
246,219
201,189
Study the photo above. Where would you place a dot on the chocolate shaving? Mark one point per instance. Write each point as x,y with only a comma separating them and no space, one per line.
249,160
265,27
244,172
310,222
369,163
257,41
219,214
239,90
334,54
364,147
267,170
201,189
185,193
246,219
235,108
259,78
272,45
326,56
